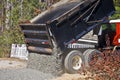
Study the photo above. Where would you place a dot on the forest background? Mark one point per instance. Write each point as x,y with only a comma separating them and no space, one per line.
12,12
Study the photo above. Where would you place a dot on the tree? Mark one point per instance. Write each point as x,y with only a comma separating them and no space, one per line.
1,15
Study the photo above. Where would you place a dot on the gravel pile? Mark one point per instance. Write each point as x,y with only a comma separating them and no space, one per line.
45,63
23,74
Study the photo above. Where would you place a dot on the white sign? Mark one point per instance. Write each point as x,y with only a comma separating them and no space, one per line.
19,51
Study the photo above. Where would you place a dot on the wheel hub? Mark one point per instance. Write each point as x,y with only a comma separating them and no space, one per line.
76,62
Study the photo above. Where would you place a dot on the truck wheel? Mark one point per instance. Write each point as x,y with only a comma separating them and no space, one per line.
73,61
88,56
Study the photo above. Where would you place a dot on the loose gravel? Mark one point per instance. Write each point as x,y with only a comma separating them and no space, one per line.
45,63
15,69
23,74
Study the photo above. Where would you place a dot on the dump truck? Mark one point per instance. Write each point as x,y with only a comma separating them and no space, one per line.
59,31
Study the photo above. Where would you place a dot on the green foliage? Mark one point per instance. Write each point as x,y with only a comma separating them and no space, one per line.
117,14
117,7
14,35
17,14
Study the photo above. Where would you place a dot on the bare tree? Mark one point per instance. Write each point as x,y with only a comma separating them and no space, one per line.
21,8
2,14
7,12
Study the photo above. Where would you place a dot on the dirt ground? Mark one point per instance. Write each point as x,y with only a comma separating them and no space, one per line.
14,63
9,63
74,77
111,68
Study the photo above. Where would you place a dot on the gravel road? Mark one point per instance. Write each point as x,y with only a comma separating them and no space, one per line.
15,69
23,74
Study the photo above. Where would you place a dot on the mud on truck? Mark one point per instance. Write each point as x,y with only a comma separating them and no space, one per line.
55,38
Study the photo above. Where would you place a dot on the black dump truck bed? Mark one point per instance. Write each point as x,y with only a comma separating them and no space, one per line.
65,24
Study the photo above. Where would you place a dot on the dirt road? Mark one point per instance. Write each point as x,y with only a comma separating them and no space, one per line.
15,69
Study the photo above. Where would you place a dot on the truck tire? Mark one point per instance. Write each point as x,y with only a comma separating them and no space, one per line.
73,62
88,56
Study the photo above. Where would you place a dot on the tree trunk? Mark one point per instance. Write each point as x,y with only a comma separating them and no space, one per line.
2,15
21,8
7,11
